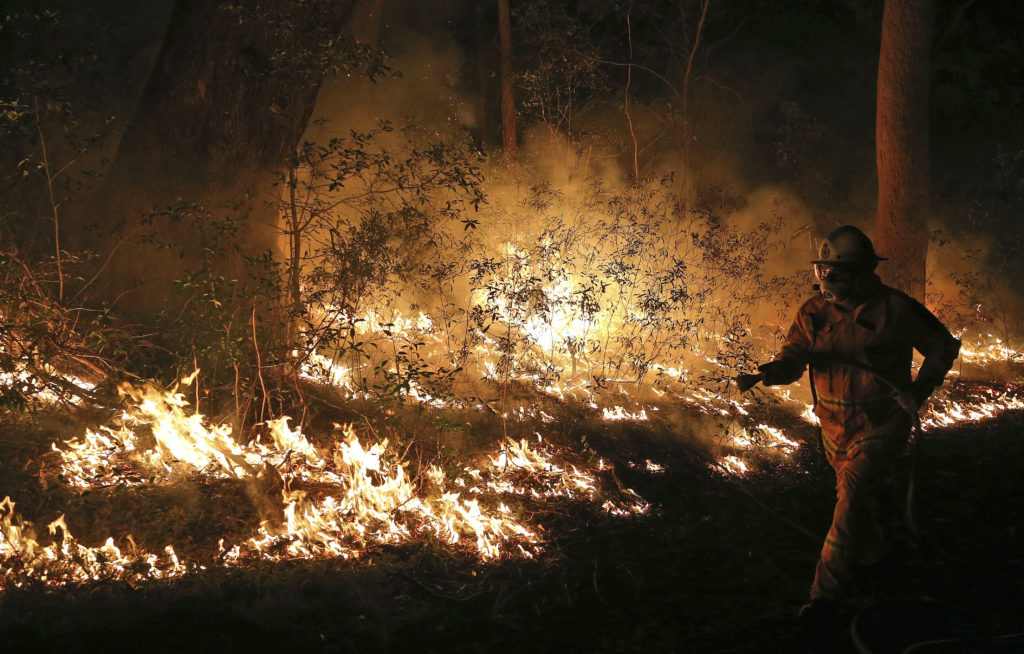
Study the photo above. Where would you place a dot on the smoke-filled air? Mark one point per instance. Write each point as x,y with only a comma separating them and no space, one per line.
367,322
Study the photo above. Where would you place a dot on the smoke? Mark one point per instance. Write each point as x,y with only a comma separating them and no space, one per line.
575,171
968,291
423,87
568,184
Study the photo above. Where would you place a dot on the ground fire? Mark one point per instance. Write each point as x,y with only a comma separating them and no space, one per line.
344,497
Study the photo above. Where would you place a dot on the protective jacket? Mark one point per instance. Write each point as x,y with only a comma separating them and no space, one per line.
856,410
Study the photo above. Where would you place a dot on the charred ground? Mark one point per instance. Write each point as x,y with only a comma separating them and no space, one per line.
720,566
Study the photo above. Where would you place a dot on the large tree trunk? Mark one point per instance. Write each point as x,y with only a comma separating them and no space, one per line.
225,104
508,106
902,142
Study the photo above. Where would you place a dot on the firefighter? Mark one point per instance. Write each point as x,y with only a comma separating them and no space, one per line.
865,423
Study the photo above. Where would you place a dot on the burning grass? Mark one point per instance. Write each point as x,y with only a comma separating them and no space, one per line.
529,504
344,494
709,571
336,500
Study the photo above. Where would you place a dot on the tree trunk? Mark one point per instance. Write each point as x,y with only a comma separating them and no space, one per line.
485,94
227,100
508,106
688,173
901,133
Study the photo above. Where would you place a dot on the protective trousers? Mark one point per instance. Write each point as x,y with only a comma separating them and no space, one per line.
855,537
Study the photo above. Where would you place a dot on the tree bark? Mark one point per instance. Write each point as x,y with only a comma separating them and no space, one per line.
508,106
901,134
231,91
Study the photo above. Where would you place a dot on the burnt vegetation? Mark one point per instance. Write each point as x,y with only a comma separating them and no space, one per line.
280,373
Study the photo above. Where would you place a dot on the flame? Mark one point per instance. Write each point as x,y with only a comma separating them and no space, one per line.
733,465
765,436
810,417
552,330
364,497
376,503
972,403
762,437
618,413
25,382
988,349
648,466
65,560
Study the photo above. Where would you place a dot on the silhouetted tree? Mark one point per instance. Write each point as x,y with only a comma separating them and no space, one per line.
901,141
508,106
226,102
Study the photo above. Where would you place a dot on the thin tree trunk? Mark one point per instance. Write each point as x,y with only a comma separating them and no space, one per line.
54,204
629,116
687,171
508,106
901,135
294,262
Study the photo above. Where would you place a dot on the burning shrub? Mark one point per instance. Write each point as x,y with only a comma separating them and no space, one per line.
360,214
569,292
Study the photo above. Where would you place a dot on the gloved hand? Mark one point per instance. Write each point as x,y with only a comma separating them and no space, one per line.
907,401
914,397
781,371
922,390
746,382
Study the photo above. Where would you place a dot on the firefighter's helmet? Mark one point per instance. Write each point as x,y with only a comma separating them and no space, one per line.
847,245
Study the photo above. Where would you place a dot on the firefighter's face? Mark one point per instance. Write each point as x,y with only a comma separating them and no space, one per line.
829,273
836,281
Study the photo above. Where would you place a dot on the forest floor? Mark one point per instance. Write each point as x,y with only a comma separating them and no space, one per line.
721,564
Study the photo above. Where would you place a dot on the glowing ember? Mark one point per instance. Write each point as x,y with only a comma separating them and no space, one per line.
618,413
648,466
